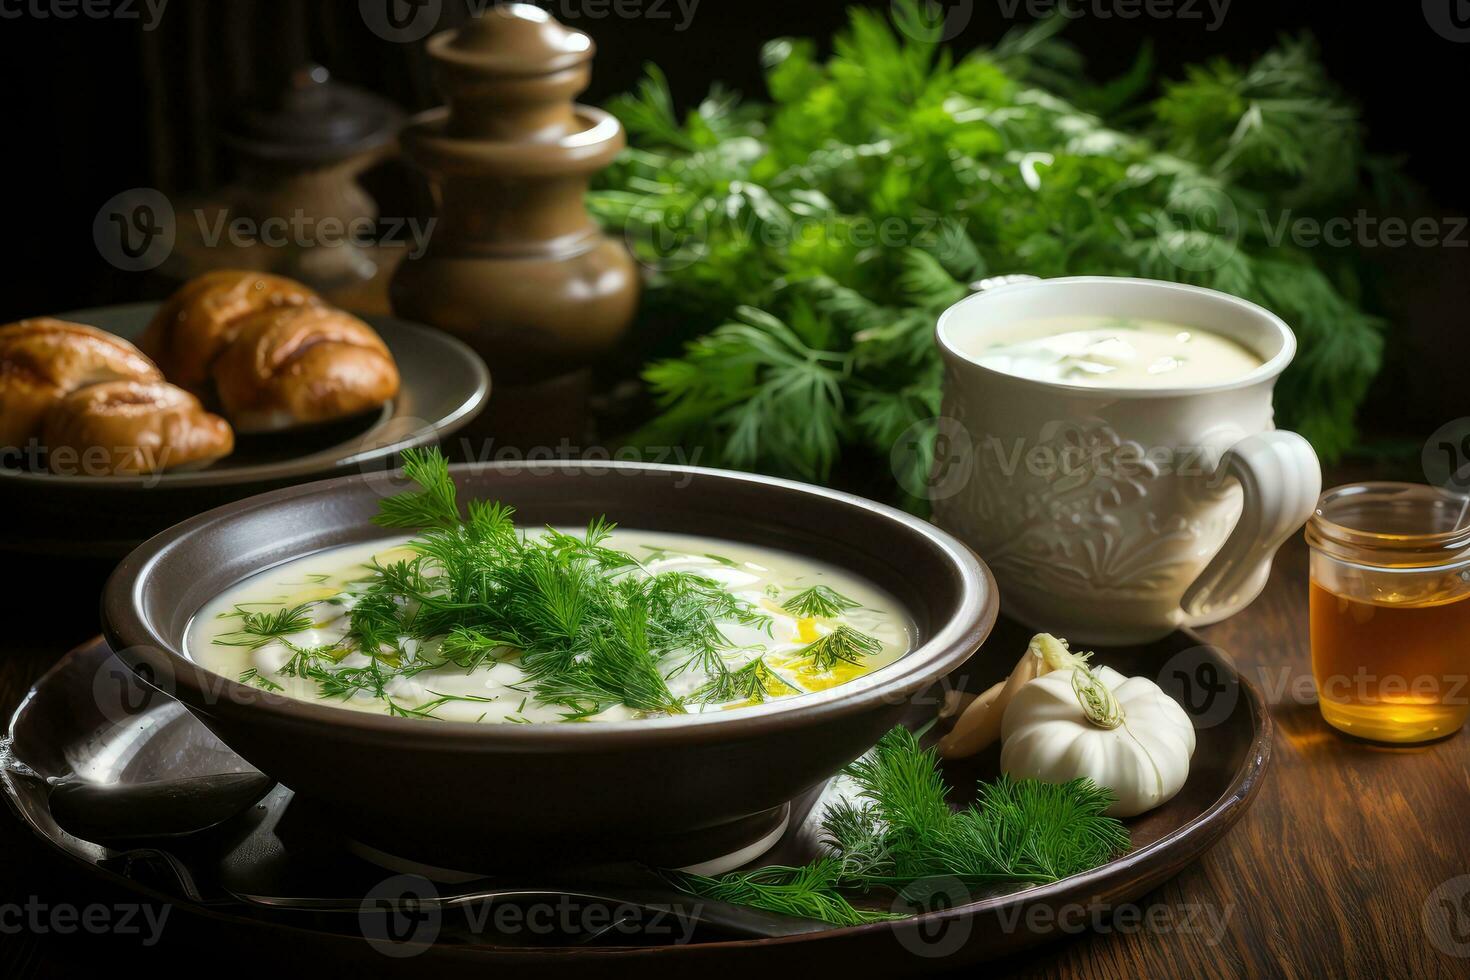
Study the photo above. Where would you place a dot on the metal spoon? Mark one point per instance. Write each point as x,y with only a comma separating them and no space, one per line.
618,886
121,811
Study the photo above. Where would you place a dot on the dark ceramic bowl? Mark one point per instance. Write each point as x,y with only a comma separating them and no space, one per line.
672,790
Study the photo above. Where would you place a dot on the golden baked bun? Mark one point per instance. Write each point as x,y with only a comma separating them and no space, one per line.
201,318
133,427
299,366
44,359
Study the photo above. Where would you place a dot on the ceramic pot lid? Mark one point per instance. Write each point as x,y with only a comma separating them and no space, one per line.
314,120
513,39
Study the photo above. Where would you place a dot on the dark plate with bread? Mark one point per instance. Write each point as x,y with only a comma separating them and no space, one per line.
120,421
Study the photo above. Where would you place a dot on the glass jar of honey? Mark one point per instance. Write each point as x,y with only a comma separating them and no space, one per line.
1390,610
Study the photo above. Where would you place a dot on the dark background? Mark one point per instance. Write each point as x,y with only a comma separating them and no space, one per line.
78,103
96,105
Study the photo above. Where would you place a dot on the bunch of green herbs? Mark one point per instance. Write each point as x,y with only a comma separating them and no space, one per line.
899,836
804,248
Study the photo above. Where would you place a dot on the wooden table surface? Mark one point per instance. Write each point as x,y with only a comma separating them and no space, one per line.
1353,861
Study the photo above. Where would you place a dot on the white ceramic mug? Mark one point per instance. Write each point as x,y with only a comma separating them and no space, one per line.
1115,515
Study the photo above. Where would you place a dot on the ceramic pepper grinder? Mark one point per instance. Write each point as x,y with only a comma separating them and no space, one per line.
516,266
299,157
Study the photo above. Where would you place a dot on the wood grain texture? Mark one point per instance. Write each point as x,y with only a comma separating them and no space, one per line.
1332,872
1329,872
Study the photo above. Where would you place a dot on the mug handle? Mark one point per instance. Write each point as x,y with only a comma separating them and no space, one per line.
1281,479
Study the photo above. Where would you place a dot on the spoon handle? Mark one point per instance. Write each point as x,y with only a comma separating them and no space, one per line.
737,920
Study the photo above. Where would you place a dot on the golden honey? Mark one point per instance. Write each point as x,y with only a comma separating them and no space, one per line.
1390,611
1391,671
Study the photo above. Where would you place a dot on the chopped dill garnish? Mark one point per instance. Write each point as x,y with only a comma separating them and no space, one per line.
375,620
588,632
344,682
254,676
842,645
900,833
258,629
303,657
618,668
588,627
470,648
426,710
752,682
819,600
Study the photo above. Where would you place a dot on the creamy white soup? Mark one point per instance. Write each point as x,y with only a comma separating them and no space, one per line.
635,624
1113,352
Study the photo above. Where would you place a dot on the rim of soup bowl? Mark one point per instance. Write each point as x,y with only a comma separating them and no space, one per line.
134,636
1270,367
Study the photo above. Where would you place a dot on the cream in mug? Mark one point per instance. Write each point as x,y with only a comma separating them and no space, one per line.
1113,352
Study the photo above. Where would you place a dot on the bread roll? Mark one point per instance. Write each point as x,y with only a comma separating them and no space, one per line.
43,360
300,366
202,317
133,427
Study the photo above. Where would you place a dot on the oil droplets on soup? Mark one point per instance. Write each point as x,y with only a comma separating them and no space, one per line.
716,625
1113,352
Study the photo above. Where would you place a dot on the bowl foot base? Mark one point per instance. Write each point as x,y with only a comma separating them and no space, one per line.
708,851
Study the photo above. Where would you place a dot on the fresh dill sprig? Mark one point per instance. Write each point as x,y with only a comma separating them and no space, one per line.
376,619
618,668
344,682
254,676
259,628
901,832
752,682
1023,830
819,600
471,648
426,710
685,613
433,505
842,645
810,892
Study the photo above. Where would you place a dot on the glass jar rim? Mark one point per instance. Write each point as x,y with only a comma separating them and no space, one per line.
1327,531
